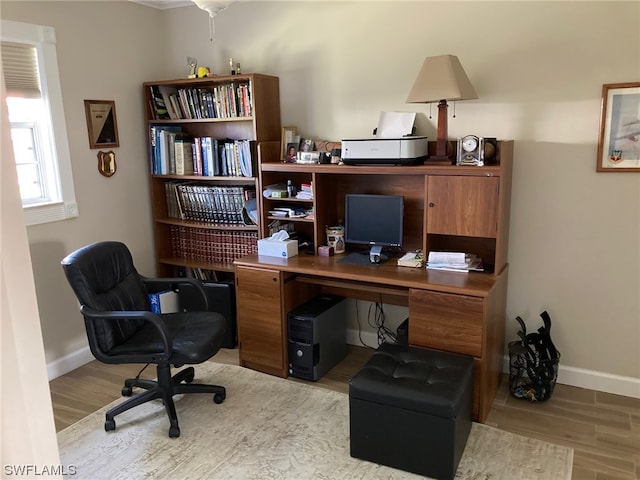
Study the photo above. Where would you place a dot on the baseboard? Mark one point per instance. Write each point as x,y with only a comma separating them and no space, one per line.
69,362
593,380
576,377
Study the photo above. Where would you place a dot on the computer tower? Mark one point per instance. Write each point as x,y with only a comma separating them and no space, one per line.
221,298
317,333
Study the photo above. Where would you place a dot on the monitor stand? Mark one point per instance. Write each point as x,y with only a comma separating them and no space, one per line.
373,258
376,255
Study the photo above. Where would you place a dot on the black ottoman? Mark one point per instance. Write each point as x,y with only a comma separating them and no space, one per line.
410,408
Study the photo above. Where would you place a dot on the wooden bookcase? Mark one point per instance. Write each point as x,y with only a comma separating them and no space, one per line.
207,243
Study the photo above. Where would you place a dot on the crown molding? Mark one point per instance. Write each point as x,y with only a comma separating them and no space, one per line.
164,4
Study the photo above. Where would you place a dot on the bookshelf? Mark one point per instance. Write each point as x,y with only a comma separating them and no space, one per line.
205,136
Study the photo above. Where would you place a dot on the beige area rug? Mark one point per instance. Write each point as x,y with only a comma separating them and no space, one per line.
271,428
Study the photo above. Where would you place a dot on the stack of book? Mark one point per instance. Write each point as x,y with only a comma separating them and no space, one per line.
454,261
305,192
211,246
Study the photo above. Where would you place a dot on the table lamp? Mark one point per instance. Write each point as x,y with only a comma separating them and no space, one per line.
441,78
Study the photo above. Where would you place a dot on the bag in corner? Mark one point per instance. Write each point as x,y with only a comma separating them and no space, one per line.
533,363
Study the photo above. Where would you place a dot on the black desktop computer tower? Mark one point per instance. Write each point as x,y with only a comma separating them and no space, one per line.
317,334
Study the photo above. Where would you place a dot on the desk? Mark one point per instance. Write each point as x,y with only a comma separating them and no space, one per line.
457,312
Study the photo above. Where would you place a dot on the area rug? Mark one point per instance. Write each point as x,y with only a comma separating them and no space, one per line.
271,428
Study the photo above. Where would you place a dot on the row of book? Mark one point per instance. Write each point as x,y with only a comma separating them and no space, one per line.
223,101
215,204
211,246
173,152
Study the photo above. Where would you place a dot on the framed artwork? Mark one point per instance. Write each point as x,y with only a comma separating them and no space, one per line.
619,142
101,123
288,136
291,154
306,145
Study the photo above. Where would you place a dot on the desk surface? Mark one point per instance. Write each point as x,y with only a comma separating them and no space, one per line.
388,273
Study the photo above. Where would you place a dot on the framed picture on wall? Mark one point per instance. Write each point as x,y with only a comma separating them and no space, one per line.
619,141
101,123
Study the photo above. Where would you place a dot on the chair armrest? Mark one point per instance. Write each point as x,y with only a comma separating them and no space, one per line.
150,317
169,283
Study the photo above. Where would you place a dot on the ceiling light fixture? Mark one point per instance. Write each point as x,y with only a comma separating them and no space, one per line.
212,7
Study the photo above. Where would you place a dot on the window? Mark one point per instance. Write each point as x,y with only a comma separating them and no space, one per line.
38,131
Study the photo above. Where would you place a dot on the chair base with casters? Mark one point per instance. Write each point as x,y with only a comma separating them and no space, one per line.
164,388
121,328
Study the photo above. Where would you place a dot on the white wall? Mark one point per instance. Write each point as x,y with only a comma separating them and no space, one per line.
538,68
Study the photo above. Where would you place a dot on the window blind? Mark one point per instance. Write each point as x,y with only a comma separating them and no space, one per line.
20,66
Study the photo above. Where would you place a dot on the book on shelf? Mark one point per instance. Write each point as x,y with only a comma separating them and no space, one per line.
208,203
167,93
159,148
158,107
184,155
211,246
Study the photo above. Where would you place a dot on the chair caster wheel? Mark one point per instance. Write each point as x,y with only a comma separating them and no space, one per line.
219,398
190,378
174,432
109,425
127,391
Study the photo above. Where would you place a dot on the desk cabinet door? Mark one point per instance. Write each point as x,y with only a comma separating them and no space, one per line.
446,321
260,325
461,205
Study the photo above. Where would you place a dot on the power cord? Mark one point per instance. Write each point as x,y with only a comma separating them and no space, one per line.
376,319
379,318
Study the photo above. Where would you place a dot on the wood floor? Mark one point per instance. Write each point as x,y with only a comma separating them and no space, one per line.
603,429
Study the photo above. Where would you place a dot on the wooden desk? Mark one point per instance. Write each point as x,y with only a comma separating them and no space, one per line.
457,312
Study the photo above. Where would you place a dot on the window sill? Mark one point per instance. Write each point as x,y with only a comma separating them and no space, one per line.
48,213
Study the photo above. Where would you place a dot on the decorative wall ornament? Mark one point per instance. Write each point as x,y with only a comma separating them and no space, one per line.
107,163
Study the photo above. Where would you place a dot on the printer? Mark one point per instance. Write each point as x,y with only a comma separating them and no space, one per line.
409,150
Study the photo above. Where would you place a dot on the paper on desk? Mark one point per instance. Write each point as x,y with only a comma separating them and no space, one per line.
395,124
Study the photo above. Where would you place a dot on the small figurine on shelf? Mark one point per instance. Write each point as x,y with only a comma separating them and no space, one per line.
193,63
203,72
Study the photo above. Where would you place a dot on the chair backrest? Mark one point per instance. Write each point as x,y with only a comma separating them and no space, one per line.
103,277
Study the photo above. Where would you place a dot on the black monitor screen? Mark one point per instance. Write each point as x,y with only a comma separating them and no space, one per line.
374,219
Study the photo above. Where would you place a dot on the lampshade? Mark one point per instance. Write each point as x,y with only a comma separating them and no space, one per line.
441,78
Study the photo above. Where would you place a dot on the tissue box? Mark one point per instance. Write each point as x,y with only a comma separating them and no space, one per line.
278,248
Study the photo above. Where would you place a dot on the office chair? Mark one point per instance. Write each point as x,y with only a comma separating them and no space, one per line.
121,328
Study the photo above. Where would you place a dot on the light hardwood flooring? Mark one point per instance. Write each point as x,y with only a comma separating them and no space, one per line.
603,429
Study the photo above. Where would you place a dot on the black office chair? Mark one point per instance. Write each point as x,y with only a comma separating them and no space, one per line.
121,328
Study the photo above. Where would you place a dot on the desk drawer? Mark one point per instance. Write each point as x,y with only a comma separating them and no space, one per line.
446,321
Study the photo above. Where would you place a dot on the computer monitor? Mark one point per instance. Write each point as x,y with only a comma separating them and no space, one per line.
374,220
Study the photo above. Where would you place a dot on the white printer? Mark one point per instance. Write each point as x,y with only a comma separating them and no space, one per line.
409,150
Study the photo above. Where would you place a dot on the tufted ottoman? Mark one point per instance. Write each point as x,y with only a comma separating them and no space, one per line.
410,408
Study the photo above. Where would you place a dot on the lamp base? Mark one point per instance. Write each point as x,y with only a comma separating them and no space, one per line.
439,160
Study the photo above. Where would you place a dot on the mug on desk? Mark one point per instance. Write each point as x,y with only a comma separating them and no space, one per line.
335,238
